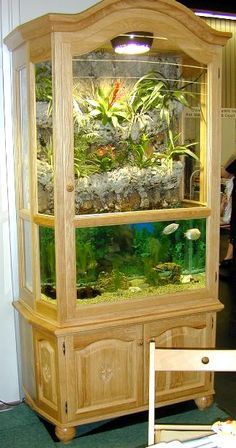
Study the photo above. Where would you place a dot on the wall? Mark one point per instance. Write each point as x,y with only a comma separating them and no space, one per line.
9,387
228,87
229,61
30,9
228,121
13,13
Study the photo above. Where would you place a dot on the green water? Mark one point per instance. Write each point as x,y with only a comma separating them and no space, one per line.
119,263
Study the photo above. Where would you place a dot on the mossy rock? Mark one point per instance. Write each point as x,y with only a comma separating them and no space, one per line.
167,273
112,281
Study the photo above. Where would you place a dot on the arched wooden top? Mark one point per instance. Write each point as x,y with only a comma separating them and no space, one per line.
93,28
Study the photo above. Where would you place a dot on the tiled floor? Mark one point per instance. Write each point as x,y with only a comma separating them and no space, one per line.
225,383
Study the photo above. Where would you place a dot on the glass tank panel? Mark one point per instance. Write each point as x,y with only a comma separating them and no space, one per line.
139,124
126,262
24,138
28,283
135,148
43,93
47,262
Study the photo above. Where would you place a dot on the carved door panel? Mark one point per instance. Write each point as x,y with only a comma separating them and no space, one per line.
187,331
46,373
108,371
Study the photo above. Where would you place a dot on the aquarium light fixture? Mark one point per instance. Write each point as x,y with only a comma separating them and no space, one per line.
132,43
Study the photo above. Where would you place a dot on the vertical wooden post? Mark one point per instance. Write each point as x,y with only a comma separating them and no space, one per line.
64,178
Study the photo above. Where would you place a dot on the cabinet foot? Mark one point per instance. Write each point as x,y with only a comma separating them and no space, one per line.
65,433
204,402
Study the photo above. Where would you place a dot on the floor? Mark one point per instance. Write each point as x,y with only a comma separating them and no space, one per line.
225,383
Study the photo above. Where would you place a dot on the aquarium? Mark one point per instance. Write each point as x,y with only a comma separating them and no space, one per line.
135,147
47,262
126,262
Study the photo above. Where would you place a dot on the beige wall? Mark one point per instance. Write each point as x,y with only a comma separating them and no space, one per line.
229,61
228,88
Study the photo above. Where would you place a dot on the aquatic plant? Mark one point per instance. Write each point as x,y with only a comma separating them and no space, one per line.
47,255
85,262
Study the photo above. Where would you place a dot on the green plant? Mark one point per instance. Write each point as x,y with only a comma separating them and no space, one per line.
47,255
97,150
85,261
141,152
174,149
83,163
107,107
46,152
43,82
154,91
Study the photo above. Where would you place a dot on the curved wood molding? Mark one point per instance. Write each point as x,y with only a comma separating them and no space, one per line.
118,16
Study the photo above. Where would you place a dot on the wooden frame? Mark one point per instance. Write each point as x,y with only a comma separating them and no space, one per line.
66,336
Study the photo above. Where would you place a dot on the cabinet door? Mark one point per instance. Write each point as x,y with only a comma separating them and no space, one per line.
186,331
46,357
107,372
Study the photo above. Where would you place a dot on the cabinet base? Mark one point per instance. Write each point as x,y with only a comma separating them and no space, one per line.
65,433
204,402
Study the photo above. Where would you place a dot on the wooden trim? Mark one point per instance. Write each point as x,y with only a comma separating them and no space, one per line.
64,178
145,309
40,49
102,13
213,170
140,216
203,137
47,309
164,309
44,220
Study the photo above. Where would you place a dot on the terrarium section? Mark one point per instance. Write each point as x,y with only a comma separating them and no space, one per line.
129,146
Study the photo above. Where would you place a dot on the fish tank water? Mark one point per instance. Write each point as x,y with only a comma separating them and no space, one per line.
132,261
134,148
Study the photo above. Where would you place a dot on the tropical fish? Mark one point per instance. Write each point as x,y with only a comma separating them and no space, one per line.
171,228
192,234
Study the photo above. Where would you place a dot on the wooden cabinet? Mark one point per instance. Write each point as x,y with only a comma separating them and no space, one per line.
84,375
106,364
113,249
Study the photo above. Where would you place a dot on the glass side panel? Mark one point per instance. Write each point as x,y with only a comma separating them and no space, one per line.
43,93
134,146
47,262
194,124
28,282
127,262
24,138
